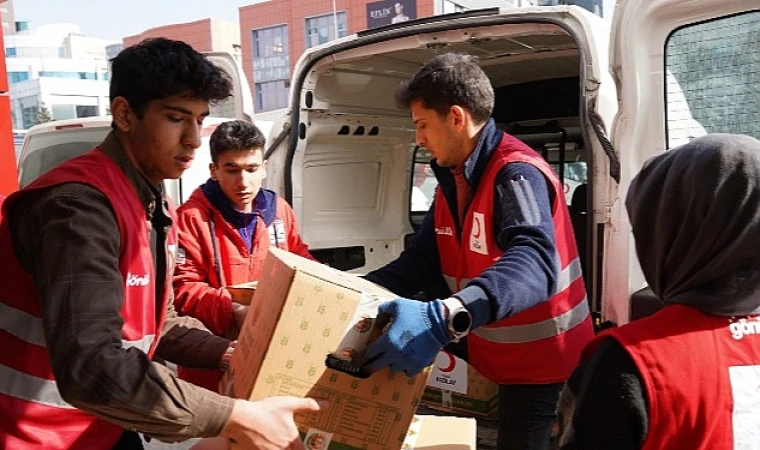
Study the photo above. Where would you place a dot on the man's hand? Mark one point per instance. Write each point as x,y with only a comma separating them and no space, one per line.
416,334
238,313
268,424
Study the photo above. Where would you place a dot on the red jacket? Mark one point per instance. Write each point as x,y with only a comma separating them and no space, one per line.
701,375
34,415
543,343
199,282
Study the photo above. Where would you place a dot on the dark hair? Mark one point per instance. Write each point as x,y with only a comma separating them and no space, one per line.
447,80
157,68
235,135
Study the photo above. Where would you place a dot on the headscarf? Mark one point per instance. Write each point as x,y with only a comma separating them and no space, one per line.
695,212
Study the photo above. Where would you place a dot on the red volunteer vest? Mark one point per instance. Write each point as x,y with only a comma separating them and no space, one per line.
542,344
701,374
34,415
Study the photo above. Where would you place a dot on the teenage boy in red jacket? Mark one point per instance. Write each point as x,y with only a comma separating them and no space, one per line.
225,231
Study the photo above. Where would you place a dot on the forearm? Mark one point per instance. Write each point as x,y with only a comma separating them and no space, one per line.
144,396
187,342
522,278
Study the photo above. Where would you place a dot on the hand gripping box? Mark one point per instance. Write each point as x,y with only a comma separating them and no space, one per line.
455,386
303,311
425,433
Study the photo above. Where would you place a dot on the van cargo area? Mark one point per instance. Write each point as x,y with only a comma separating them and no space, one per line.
352,167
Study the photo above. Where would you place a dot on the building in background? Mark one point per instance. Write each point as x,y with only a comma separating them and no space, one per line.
8,21
275,33
54,71
207,35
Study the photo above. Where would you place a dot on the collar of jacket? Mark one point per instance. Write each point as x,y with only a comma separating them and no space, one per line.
264,205
145,192
475,165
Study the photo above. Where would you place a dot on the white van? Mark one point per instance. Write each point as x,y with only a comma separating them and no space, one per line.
595,102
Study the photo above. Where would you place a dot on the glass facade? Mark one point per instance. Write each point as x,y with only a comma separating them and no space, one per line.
29,116
16,77
321,29
76,75
271,67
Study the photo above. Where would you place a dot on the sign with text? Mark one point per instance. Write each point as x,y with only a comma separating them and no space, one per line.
449,373
389,12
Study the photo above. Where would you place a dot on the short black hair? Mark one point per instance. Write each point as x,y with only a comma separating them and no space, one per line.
157,68
235,135
447,80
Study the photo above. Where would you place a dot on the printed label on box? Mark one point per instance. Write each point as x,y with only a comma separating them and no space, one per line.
317,440
449,373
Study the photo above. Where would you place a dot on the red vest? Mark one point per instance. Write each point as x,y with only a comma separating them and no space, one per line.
540,345
702,377
34,415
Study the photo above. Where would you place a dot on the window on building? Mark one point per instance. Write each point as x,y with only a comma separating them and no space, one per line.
75,75
29,116
321,29
712,78
271,95
16,77
271,67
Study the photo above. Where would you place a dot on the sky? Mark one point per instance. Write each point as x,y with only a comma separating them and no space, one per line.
118,19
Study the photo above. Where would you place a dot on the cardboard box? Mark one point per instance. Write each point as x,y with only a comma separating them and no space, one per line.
441,433
425,433
243,293
300,314
455,386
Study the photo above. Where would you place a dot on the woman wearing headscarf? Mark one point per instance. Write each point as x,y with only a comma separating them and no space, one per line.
688,376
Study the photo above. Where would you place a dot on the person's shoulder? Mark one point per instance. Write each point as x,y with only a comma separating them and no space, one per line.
195,206
282,204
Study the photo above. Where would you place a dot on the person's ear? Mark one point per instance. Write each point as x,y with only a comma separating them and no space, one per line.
123,116
264,169
458,116
212,170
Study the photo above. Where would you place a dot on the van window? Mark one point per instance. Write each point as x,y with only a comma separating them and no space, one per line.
423,182
46,150
713,78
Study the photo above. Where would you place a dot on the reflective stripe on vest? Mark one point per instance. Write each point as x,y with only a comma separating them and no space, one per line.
29,329
30,388
515,334
555,326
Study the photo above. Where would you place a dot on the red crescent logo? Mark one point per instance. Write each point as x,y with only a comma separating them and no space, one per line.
452,364
476,228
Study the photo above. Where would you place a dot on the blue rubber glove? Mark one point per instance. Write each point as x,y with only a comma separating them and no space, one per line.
417,332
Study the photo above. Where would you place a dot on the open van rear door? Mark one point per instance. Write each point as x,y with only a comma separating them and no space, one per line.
240,104
682,69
